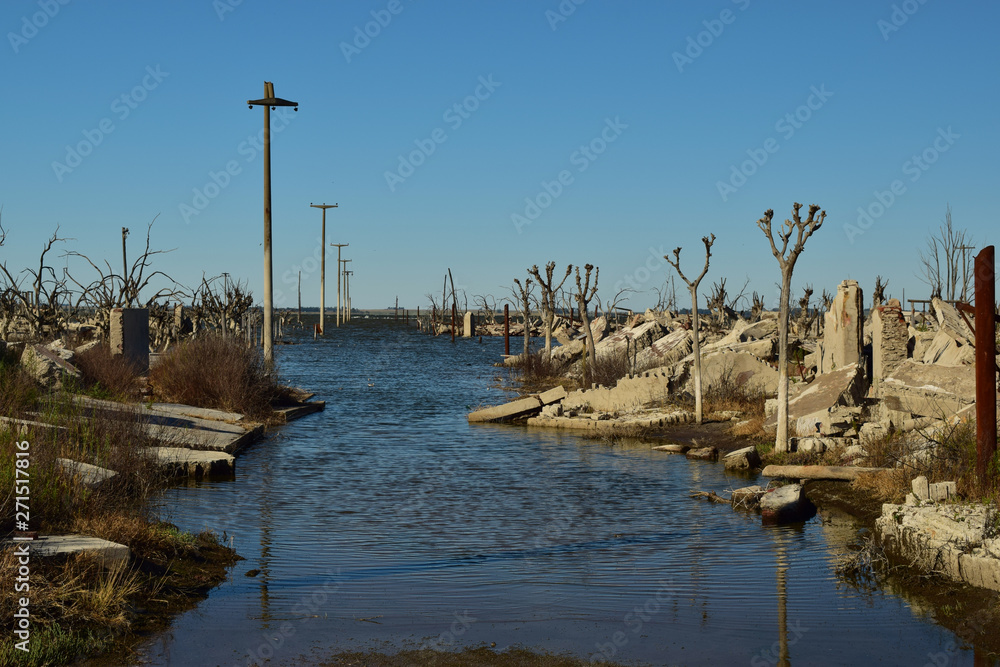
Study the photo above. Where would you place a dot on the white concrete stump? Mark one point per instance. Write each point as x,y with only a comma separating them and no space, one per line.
130,335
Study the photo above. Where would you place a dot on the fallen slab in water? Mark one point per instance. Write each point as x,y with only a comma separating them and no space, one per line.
520,408
834,473
195,463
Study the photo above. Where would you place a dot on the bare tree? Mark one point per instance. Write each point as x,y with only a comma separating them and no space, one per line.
756,307
37,315
523,297
548,299
787,257
584,295
486,303
945,266
693,288
878,294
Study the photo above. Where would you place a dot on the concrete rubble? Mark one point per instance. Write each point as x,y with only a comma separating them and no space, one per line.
959,542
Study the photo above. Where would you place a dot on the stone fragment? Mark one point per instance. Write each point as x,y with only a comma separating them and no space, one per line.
47,367
929,390
746,458
786,504
920,488
890,339
704,453
747,497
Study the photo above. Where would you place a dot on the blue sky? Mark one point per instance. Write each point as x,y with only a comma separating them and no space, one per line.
633,127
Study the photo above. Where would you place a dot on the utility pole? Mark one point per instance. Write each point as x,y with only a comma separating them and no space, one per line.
269,101
322,267
347,279
300,298
347,307
339,246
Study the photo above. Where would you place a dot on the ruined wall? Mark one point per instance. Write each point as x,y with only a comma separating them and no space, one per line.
843,330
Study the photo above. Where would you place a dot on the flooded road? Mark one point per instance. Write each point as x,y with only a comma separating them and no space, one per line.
389,522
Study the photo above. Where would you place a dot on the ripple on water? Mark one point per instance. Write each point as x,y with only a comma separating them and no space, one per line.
390,507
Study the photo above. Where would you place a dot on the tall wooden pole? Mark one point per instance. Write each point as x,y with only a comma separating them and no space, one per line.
986,368
268,102
347,307
128,296
322,267
339,246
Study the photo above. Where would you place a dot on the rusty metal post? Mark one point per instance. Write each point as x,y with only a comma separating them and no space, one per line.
506,329
453,323
986,370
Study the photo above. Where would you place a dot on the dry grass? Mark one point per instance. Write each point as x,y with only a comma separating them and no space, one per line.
18,391
109,376
945,455
215,372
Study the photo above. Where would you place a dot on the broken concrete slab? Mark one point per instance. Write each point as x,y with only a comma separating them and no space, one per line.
629,340
929,390
629,395
88,475
107,553
812,405
672,449
624,424
946,349
740,368
831,473
194,463
956,541
47,367
666,350
520,408
950,321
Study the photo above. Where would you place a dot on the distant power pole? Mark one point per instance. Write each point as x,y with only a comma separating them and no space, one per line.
125,290
322,266
347,306
269,101
300,297
347,278
339,246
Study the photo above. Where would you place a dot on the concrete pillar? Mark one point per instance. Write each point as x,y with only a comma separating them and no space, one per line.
469,329
843,328
890,336
130,335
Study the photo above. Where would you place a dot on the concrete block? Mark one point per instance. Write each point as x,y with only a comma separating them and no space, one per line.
942,491
130,335
920,488
107,553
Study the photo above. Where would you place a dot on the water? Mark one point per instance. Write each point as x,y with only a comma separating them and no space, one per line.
389,522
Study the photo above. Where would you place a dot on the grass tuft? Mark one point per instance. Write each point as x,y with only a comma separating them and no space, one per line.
215,372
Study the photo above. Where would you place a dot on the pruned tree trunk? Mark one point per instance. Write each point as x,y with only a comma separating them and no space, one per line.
786,262
696,342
